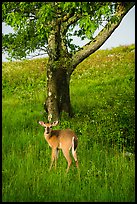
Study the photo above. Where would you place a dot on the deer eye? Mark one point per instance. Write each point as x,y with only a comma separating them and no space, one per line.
50,127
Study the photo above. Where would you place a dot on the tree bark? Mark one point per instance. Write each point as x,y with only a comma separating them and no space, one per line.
52,95
58,93
58,75
63,81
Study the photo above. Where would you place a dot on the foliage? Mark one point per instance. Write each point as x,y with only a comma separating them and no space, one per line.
33,22
103,101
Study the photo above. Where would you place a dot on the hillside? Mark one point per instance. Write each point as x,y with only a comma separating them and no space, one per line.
102,93
103,83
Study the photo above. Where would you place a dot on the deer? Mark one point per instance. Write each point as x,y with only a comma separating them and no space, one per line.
60,139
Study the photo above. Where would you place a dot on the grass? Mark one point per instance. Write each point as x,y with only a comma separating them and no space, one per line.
102,95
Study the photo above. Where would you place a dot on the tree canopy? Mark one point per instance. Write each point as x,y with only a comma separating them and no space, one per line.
34,21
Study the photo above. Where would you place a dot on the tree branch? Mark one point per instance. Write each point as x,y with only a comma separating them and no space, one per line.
67,16
104,34
71,20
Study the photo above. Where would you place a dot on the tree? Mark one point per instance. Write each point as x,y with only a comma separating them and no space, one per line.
49,27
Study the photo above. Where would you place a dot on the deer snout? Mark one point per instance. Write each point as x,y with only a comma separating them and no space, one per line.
47,130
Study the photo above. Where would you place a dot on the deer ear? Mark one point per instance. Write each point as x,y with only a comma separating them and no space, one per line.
54,123
42,123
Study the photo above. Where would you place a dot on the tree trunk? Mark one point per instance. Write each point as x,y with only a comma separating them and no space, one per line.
52,99
63,81
58,94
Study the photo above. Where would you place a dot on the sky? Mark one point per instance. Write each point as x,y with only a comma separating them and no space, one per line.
123,35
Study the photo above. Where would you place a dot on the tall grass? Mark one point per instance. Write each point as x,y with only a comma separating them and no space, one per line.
102,96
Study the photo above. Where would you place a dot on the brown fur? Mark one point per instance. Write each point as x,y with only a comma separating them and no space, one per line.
61,139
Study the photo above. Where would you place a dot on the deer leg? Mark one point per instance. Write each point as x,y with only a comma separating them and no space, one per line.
56,157
53,157
75,157
68,158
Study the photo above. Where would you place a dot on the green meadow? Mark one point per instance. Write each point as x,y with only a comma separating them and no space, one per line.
102,90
